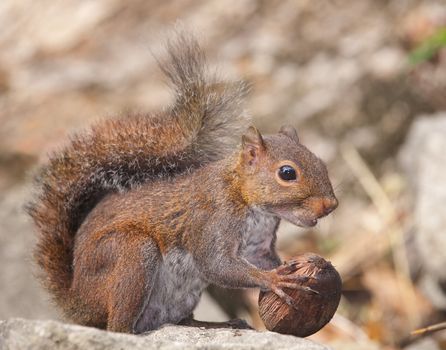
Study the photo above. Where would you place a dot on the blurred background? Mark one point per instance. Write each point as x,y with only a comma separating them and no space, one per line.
363,81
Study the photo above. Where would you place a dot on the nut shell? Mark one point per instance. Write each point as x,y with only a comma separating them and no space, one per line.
314,310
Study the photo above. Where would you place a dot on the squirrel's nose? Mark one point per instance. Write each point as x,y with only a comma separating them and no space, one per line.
330,204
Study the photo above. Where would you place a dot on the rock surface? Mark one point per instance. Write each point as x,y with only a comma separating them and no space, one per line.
424,160
26,334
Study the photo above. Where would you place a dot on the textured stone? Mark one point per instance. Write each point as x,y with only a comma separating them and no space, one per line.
424,160
36,335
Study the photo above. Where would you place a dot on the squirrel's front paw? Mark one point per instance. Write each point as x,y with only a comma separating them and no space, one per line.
294,282
279,282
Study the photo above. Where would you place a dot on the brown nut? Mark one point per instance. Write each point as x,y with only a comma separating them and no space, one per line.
314,310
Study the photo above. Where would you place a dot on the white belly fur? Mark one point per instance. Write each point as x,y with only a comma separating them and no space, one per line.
259,240
176,292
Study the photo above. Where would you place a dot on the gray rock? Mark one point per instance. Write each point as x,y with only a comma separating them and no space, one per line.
424,160
424,344
21,295
36,335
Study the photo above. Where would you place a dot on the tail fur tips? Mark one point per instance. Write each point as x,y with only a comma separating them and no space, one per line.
206,106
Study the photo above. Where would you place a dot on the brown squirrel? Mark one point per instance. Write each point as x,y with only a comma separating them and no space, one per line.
139,214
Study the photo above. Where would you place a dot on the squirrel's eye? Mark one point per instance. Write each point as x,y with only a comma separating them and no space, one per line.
287,173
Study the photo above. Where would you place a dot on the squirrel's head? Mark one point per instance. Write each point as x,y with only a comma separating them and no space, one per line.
281,176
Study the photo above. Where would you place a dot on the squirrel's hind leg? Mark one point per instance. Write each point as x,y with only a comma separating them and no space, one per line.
135,275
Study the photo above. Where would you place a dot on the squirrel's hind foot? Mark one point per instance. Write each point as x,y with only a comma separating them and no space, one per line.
234,324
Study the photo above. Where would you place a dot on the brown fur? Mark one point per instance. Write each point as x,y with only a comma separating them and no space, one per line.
116,154
169,198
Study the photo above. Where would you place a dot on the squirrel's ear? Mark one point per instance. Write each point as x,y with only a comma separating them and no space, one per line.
289,131
252,145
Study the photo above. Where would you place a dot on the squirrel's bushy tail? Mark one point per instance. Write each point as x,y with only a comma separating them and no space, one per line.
203,125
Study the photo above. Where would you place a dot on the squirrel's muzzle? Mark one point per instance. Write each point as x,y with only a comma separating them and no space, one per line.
321,206
329,204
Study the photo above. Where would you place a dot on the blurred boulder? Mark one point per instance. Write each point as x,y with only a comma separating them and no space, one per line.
19,290
424,344
424,161
24,334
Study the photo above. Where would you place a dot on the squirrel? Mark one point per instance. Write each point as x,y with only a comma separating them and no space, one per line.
138,214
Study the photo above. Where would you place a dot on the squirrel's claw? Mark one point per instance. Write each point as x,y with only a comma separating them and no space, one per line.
297,287
286,298
296,278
